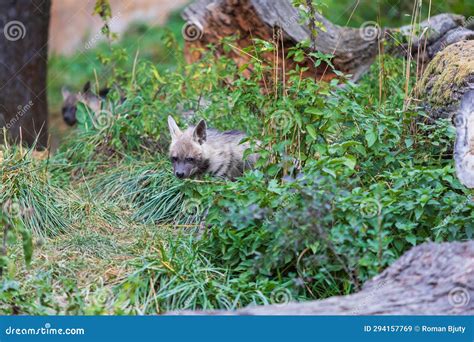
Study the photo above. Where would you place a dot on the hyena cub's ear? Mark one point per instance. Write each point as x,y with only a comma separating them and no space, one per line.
65,93
87,87
199,133
174,129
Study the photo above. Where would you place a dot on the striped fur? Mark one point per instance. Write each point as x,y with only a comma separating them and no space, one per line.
199,150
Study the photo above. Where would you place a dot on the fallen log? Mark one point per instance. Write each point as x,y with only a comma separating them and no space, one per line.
430,279
354,50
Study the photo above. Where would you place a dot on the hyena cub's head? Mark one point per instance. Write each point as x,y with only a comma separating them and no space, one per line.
86,96
186,149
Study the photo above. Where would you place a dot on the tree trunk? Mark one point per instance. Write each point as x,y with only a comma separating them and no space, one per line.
23,69
430,279
354,50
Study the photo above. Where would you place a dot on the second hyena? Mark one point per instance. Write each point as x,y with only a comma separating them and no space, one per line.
199,150
86,96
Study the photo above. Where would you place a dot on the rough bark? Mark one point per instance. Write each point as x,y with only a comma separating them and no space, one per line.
464,146
354,50
433,35
430,279
23,62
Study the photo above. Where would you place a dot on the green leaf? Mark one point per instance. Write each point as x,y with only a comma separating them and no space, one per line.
350,162
371,137
411,239
311,131
329,171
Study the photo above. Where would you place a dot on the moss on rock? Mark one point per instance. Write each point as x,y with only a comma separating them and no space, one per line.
448,76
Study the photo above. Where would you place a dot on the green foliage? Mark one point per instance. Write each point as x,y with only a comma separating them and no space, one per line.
183,278
349,178
368,188
344,185
102,63
12,228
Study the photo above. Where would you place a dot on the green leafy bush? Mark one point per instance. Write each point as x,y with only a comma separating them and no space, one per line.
349,178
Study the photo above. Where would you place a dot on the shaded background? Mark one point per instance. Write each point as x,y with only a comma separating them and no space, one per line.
141,25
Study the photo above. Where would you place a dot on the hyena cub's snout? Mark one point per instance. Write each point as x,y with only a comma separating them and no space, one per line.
69,115
182,169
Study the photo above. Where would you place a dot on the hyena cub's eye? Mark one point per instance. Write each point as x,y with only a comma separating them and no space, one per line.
190,160
174,159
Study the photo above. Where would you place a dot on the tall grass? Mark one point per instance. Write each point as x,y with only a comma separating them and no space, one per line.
176,274
148,189
25,186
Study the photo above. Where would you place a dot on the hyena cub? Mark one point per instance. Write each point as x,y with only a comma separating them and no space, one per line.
93,101
199,150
